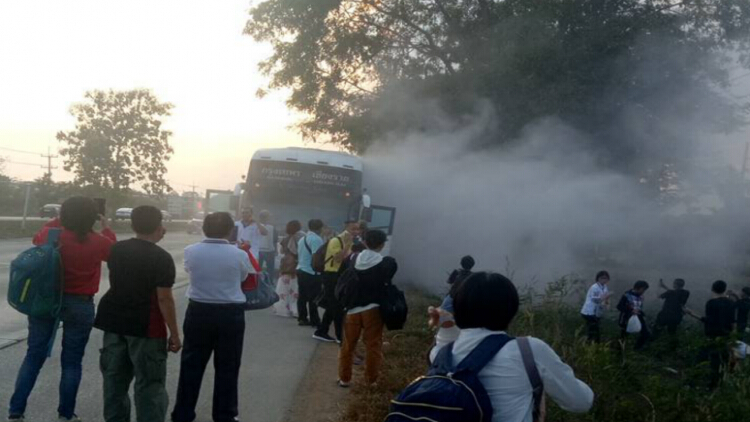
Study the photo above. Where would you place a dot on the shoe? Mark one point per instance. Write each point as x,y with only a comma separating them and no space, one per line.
73,419
303,323
323,337
338,340
343,384
358,361
15,418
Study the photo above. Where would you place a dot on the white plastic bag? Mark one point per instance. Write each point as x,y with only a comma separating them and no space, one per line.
634,325
740,350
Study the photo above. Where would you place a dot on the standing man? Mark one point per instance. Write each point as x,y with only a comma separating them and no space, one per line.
672,312
248,232
338,249
132,315
597,300
268,244
366,211
308,279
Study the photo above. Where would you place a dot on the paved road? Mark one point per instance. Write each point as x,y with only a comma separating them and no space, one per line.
275,359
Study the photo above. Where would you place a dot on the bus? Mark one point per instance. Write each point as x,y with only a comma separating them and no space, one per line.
304,183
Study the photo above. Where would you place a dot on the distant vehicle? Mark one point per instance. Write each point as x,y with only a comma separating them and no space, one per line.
166,216
196,223
49,211
123,214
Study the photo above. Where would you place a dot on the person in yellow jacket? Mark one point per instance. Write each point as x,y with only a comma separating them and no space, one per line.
339,247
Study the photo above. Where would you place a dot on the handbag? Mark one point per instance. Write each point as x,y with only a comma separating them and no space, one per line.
263,296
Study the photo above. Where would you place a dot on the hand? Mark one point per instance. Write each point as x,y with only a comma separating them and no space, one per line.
103,221
175,344
434,315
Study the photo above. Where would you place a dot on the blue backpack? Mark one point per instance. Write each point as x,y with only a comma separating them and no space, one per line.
455,394
36,279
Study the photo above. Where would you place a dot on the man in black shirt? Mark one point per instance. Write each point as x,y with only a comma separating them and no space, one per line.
743,309
132,315
672,311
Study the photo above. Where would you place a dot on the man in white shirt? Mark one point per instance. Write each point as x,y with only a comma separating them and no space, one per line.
249,232
596,303
485,305
267,256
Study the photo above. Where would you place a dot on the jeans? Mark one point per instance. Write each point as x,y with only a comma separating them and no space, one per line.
77,316
334,312
218,330
309,288
593,332
269,259
369,325
145,359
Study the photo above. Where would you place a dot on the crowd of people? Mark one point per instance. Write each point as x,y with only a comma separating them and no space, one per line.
138,313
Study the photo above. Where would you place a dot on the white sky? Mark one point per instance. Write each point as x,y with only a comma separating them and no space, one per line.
190,52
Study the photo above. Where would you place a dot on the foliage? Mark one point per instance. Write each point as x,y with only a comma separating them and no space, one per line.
654,385
625,72
119,141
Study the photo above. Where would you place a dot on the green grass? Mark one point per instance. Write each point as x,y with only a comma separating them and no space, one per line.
654,385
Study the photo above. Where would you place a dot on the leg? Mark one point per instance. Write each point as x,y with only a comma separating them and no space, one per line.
644,336
353,328
303,294
329,284
149,357
315,287
373,336
117,374
227,361
269,260
78,320
200,339
40,332
338,322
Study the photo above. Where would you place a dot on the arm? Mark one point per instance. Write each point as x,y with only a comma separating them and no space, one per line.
262,229
167,308
41,237
570,393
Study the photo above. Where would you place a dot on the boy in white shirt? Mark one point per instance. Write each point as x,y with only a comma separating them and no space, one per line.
597,300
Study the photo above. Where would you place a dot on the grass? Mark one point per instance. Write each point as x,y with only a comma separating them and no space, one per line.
654,385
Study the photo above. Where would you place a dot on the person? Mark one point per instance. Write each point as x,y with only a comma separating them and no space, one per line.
287,287
82,252
485,305
308,279
247,231
366,203
214,321
374,273
718,323
134,315
597,300
338,249
267,250
672,311
631,304
743,309
455,279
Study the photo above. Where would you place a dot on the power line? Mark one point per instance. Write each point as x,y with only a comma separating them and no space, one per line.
19,151
23,163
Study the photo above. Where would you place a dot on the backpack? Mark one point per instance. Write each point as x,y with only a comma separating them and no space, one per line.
346,283
455,394
319,260
36,279
394,309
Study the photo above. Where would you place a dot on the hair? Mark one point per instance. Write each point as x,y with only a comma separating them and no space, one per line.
746,290
486,300
247,210
145,219
78,214
679,283
315,225
293,227
602,274
347,222
358,247
374,239
719,287
467,262
264,214
640,284
218,225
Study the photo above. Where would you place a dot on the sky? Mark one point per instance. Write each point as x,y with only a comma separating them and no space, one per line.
191,53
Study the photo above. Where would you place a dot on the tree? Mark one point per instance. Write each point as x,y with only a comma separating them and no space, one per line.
119,141
616,70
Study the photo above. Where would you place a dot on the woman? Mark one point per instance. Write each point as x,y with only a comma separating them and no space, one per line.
485,304
597,300
82,251
214,321
287,287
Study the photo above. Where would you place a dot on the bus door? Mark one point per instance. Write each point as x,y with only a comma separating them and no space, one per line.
383,218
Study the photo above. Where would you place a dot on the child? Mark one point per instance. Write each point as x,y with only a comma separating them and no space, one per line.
597,299
672,311
455,280
631,304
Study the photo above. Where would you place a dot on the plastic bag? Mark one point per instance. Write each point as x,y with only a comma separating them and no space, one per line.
634,325
740,350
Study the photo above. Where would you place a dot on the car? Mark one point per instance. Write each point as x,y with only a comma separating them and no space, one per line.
196,223
166,216
123,214
50,211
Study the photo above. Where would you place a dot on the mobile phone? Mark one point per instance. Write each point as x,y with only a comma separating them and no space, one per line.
101,204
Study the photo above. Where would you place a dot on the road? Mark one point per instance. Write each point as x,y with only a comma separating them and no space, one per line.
275,358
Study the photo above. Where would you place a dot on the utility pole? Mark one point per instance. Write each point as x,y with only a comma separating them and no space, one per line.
26,206
49,158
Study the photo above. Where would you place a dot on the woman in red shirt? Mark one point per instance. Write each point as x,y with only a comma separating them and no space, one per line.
82,251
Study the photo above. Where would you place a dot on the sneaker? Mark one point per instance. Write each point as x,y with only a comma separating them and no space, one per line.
303,323
338,340
323,337
358,361
15,418
73,419
343,384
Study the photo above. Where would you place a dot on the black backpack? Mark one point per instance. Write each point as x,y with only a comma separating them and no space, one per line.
455,394
393,309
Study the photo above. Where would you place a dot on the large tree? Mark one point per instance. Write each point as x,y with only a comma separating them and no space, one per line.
616,70
119,141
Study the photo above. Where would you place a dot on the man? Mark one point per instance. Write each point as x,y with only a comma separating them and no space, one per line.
631,304
366,211
338,249
308,279
374,273
672,312
249,233
268,244
132,315
597,300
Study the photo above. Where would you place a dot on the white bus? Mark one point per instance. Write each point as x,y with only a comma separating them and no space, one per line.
303,183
